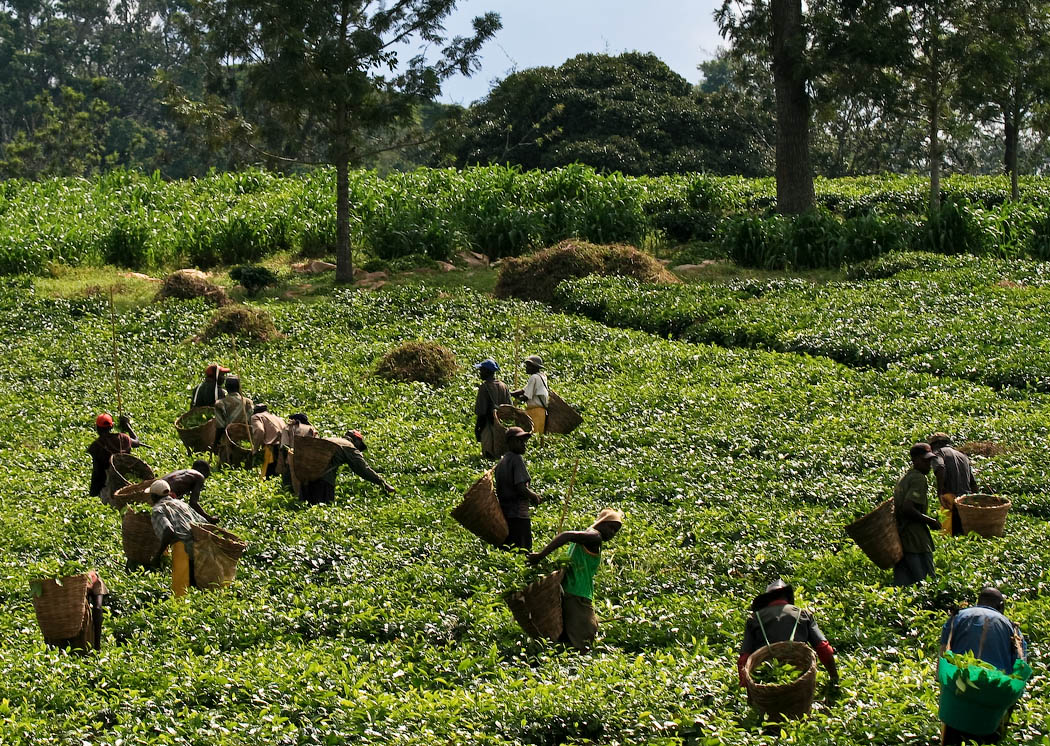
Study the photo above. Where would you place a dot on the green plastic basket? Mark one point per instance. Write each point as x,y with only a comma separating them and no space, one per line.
981,706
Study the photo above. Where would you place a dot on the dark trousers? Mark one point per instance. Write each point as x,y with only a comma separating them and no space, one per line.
952,737
519,535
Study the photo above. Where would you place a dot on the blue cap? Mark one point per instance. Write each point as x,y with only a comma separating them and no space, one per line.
487,364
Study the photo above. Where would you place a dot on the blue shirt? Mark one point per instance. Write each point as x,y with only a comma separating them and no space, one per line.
969,625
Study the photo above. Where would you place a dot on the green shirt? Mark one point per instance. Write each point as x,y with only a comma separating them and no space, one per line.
915,535
579,580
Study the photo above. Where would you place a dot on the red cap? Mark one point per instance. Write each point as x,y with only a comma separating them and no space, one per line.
104,420
210,371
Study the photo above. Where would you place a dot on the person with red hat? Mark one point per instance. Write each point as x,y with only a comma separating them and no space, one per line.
210,390
104,447
911,500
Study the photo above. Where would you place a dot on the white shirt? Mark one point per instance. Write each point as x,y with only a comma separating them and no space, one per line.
536,392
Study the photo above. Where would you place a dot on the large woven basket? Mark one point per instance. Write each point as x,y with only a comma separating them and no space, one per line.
131,493
125,469
138,537
480,513
198,439
561,418
60,608
983,514
237,433
790,700
507,413
311,457
876,534
215,555
537,607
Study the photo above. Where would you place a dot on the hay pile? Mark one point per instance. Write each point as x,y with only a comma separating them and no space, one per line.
191,283
241,321
534,277
418,361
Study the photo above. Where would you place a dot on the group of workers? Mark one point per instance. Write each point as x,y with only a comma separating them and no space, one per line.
981,629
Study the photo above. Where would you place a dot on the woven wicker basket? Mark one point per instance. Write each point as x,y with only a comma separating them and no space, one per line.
983,514
237,433
876,534
790,700
137,535
537,607
201,438
215,555
60,608
480,513
131,493
125,469
561,418
311,459
507,413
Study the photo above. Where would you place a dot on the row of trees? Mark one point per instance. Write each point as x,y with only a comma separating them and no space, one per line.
863,67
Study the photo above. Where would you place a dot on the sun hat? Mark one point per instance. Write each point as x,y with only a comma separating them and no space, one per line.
777,589
535,360
939,437
921,450
517,432
159,488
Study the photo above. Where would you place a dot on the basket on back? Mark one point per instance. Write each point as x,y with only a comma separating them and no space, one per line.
497,434
561,418
196,429
311,457
237,442
876,534
479,512
131,493
983,514
537,607
61,606
789,700
138,537
125,469
215,555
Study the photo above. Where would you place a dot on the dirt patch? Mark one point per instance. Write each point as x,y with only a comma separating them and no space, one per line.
191,283
534,277
418,361
241,321
983,448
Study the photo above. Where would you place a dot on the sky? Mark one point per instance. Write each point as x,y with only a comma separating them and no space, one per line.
682,33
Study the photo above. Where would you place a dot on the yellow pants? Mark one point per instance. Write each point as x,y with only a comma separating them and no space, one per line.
268,459
947,503
180,569
539,418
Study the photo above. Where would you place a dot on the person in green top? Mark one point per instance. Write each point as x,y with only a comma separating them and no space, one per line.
580,623
910,503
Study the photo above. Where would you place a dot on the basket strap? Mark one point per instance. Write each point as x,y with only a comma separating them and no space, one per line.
758,616
798,618
951,631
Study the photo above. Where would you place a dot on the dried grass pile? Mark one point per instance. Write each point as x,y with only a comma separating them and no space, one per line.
241,321
534,277
418,361
187,284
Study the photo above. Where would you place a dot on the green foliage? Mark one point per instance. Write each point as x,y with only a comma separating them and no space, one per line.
253,277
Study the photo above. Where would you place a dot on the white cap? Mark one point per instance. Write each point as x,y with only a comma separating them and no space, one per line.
159,488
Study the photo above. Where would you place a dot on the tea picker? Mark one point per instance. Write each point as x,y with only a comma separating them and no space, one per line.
491,394
775,619
266,430
954,478
514,491
173,522
210,390
104,447
910,503
579,623
346,451
982,671
234,408
535,394
188,483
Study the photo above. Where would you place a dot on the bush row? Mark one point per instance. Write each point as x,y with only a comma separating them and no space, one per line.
140,221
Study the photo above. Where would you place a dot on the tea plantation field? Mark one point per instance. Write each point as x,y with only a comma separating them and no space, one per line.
379,620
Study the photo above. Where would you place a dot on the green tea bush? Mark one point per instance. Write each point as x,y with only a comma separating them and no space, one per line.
254,278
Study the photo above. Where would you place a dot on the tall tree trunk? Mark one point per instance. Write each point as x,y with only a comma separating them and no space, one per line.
935,151
344,263
793,169
1010,156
